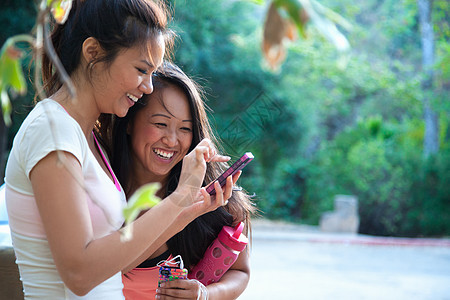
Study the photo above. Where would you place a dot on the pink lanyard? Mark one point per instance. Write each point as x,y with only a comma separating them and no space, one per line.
116,182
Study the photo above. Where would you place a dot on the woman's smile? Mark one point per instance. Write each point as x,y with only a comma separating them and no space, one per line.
132,99
164,155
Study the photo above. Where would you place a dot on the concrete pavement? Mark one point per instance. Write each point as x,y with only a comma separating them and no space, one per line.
291,262
300,262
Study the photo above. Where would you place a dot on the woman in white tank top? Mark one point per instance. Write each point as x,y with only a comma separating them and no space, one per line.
63,200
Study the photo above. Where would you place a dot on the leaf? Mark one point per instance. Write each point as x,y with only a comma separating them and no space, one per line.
10,69
276,30
11,76
143,199
284,15
296,12
60,9
284,18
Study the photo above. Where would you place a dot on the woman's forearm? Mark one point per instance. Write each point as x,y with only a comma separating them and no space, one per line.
167,233
234,281
230,286
102,258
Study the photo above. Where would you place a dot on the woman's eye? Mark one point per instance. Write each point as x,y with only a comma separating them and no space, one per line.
160,124
187,129
142,71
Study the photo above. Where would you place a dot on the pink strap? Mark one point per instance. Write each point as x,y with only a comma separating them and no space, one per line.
116,182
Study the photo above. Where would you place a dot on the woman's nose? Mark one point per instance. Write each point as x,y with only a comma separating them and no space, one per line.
147,85
170,139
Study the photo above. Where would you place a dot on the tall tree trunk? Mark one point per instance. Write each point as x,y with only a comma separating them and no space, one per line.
431,138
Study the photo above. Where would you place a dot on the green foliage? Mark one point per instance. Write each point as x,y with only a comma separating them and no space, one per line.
325,130
12,78
381,163
380,185
16,17
356,130
221,48
142,199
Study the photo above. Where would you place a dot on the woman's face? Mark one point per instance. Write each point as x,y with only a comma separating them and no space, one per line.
161,136
128,78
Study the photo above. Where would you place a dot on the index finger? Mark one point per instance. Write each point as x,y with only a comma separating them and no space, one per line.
219,158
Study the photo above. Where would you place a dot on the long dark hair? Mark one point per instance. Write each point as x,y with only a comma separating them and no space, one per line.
192,241
115,24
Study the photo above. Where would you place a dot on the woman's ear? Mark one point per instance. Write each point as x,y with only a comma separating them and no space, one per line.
91,49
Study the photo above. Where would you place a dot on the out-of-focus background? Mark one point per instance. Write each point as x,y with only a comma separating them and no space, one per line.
372,123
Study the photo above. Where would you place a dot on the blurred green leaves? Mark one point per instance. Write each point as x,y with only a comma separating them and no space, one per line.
284,15
354,131
60,9
12,79
144,198
11,75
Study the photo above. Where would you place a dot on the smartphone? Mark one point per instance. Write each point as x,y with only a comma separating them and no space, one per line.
238,165
171,273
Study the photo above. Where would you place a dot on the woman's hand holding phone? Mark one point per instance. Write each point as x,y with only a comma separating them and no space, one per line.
206,203
236,167
196,200
193,172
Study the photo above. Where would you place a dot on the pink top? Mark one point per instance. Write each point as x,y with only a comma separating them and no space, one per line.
141,283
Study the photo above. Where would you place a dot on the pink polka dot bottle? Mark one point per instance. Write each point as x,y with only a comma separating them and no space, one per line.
220,255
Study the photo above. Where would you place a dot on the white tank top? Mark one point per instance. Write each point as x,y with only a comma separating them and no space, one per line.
34,141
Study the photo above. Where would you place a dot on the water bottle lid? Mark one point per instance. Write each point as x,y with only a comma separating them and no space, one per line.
233,237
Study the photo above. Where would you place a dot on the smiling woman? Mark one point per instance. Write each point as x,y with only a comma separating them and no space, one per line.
162,134
63,201
150,145
119,85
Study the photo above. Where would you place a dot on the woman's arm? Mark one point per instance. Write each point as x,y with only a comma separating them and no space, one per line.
82,261
230,286
234,281
186,217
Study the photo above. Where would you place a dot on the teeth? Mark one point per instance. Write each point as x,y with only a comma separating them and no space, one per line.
163,154
135,99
